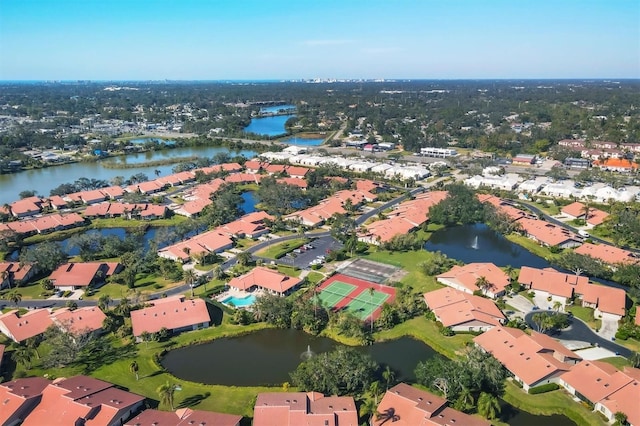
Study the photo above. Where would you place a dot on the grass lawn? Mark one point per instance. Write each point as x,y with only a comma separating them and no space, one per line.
119,222
409,261
551,210
586,315
31,291
146,284
314,277
276,251
546,404
245,243
630,343
617,361
425,330
531,246
288,270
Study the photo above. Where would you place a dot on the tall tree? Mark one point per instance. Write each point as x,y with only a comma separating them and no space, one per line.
166,392
134,368
190,277
488,406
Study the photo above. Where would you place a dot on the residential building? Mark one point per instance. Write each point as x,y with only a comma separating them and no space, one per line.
616,165
465,278
523,160
83,400
176,314
577,163
548,234
13,273
19,397
532,360
606,388
577,210
548,282
610,255
74,276
607,302
209,242
261,278
404,405
22,327
183,417
84,320
248,226
438,152
462,311
300,408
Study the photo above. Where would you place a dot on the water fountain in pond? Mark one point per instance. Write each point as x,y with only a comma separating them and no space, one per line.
307,354
474,245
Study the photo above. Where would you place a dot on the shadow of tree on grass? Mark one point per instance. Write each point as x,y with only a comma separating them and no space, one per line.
193,400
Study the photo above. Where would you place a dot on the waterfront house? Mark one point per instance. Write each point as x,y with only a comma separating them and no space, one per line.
548,234
532,360
300,408
465,278
261,278
610,255
73,276
462,311
605,388
404,405
176,314
248,226
209,242
26,207
293,181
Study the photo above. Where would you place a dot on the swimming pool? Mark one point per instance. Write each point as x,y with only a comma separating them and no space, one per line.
240,302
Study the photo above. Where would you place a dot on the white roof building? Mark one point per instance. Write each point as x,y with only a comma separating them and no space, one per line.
565,189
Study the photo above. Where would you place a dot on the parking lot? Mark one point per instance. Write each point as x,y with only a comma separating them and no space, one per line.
321,247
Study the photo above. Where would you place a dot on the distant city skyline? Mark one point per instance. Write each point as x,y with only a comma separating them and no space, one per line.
329,39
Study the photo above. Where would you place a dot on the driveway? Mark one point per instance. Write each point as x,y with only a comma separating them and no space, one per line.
608,328
580,331
520,303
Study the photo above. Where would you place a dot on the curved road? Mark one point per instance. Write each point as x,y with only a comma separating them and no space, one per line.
578,330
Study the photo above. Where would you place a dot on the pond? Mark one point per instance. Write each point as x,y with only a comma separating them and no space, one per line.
479,243
249,202
277,109
234,361
266,357
303,141
268,126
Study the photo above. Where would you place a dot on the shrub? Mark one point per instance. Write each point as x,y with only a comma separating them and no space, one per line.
544,388
622,335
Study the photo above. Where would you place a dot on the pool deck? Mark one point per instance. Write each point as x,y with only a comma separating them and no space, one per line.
240,294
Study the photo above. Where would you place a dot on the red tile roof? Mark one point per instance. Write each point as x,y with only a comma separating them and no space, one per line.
467,275
547,233
79,321
596,216
16,272
552,281
454,308
17,397
618,163
209,242
171,313
608,299
20,328
184,417
607,254
531,358
417,407
293,181
299,408
265,278
82,274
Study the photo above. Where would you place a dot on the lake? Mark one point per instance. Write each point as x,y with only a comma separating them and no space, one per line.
266,357
268,126
277,109
479,243
44,180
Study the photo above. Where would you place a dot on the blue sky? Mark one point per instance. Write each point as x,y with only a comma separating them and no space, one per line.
273,39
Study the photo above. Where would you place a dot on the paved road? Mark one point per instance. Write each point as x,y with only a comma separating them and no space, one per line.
578,330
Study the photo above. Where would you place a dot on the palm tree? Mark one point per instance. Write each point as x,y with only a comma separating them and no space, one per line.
586,210
104,301
483,284
22,355
190,278
375,390
466,397
133,368
388,375
368,409
557,305
165,392
243,258
217,273
488,405
509,270
14,297
620,418
32,343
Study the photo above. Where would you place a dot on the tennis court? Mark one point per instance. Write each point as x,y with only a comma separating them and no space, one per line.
369,271
359,297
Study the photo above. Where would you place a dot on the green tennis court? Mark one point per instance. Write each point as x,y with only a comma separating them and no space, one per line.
365,303
335,292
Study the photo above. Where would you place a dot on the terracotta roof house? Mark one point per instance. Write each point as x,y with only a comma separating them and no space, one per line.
548,234
576,211
250,225
299,408
503,207
464,278
19,397
56,202
176,314
193,208
265,279
148,187
293,181
608,254
415,407
243,178
21,327
72,276
83,400
183,417
550,283
608,389
616,165
209,242
253,166
297,172
113,192
274,168
383,231
94,196
462,311
608,302
79,321
316,215
26,207
12,273
533,360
